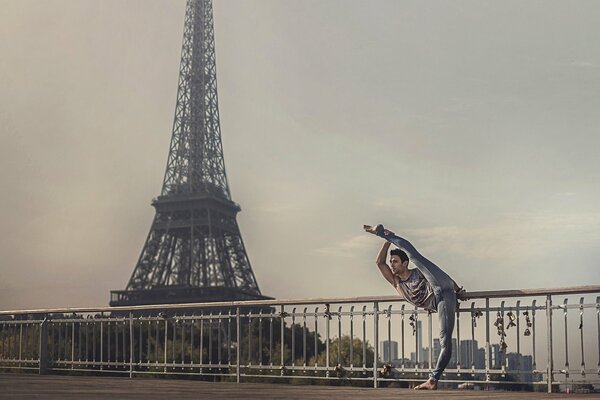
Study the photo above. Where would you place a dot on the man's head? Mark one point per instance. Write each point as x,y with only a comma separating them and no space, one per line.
398,261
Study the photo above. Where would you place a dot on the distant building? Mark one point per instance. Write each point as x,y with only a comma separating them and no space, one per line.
480,359
468,353
496,356
513,361
516,361
522,364
388,351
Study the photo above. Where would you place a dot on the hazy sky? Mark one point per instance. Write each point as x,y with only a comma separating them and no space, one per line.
468,127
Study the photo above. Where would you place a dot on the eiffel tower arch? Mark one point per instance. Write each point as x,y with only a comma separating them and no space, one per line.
194,251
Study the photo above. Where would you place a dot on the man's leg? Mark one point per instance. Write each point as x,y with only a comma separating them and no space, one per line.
447,316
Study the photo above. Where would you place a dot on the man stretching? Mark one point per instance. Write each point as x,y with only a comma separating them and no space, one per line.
426,286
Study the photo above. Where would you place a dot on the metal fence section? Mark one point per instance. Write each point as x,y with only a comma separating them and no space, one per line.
532,338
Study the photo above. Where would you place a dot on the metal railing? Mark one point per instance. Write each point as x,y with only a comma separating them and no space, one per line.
525,335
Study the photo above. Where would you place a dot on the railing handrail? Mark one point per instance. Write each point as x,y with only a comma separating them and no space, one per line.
571,290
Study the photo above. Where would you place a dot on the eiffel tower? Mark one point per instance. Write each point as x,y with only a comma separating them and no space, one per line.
194,251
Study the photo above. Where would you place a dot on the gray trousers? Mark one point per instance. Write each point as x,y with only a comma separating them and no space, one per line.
443,289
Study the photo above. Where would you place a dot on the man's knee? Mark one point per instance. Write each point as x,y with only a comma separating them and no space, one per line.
445,342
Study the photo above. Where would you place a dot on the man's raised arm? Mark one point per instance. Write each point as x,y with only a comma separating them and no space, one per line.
383,267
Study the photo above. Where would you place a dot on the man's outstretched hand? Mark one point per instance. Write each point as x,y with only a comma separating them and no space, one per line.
378,230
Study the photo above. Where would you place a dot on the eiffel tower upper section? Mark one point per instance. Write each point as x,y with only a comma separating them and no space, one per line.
195,161
194,251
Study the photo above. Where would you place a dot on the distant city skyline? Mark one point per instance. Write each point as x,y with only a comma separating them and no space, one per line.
511,361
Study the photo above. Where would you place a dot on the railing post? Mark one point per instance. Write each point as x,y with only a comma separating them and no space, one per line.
282,331
327,323
131,345
549,336
43,351
488,348
238,347
376,341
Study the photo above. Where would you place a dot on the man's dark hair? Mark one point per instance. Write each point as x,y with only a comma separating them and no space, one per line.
399,253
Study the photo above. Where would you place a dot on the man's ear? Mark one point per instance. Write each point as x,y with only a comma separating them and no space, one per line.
405,263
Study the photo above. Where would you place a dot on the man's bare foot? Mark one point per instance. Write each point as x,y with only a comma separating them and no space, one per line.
430,384
370,228
378,230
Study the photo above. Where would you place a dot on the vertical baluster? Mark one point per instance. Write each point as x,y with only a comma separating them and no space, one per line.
316,331
229,337
598,330
149,341
166,334
140,340
210,329
192,341
339,352
503,349
474,350
293,337
108,346
94,329
260,332
219,341
488,345
271,339
15,338
176,321
327,338
156,341
282,327
25,341
581,336
72,344
430,341
43,344
305,360
20,343
201,339
534,365
415,317
79,341
238,339
388,315
550,367
131,345
402,334
26,335
124,325
566,340
518,316
118,325
249,338
376,341
183,328
101,341
459,361
2,339
86,355
59,342
364,338
351,337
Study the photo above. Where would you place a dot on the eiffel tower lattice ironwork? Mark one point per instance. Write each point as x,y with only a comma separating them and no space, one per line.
194,251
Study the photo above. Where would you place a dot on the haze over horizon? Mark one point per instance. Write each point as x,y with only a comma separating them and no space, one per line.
468,127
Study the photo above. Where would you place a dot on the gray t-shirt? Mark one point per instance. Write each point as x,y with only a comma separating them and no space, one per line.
417,290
